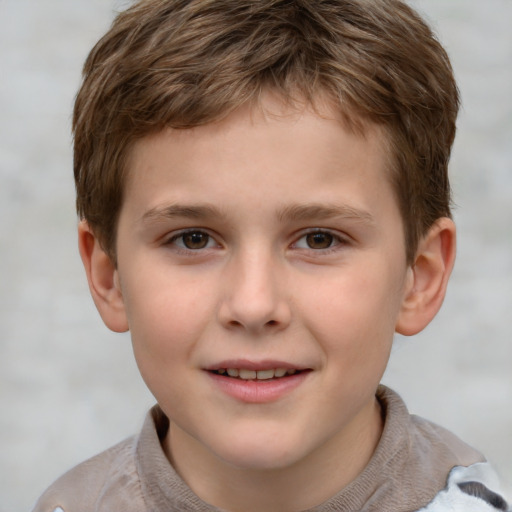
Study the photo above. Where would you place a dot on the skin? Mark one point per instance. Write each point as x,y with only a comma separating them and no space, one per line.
250,282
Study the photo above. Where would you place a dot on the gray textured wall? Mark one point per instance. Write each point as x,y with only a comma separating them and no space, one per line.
69,388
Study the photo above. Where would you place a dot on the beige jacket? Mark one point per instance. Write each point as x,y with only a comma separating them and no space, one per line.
408,469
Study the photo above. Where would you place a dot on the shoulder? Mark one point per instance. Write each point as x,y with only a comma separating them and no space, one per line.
428,446
436,467
109,477
418,455
446,445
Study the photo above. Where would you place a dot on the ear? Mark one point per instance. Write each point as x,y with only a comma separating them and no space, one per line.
103,279
428,278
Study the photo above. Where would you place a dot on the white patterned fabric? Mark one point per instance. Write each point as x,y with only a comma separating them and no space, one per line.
470,489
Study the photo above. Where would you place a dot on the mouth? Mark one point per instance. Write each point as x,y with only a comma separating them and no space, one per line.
247,374
257,382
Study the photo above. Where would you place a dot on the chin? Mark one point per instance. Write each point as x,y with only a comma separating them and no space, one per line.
260,454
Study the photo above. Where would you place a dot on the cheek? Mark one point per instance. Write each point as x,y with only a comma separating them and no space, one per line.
166,319
354,315
164,332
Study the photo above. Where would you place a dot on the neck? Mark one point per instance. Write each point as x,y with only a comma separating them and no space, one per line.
305,484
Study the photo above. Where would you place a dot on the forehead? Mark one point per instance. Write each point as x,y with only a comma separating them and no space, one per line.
319,121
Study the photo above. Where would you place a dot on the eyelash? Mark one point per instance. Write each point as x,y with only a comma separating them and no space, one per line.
336,241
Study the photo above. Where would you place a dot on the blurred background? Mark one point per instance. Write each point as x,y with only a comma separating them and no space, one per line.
69,388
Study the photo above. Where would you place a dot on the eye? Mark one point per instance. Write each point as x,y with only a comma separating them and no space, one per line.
193,240
318,240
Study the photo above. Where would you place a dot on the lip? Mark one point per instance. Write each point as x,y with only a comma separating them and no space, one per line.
257,391
246,364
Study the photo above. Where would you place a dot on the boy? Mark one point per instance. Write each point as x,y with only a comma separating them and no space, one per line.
264,202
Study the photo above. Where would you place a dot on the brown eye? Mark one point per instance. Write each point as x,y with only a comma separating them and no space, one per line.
195,240
319,240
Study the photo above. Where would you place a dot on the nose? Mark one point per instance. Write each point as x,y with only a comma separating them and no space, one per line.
255,295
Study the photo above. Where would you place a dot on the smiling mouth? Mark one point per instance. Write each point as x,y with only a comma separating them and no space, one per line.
244,374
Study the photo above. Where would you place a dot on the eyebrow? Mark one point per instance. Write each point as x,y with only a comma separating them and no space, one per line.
291,213
196,212
311,212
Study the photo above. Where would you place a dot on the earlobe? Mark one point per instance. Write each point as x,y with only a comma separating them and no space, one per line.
103,279
428,278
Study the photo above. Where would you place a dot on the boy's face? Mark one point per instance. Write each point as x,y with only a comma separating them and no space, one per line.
262,243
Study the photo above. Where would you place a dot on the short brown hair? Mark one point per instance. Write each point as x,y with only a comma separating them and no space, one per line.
184,63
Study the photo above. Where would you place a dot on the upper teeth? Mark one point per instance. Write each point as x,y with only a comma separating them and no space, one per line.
253,374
